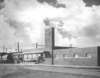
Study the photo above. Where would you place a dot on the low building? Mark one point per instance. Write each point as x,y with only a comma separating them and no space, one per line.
54,55
89,56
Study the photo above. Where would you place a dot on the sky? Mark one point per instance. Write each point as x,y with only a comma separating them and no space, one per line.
76,22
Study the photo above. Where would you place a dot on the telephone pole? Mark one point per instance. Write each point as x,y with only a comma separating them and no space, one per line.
18,46
36,45
6,50
3,48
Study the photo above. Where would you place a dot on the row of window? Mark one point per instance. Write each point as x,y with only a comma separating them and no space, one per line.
75,55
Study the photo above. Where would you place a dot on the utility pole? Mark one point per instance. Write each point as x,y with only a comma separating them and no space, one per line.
18,46
6,50
36,45
18,50
70,45
3,48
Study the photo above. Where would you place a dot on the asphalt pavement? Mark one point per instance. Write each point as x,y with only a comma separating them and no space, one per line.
80,70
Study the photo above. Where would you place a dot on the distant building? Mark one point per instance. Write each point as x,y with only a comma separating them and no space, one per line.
54,55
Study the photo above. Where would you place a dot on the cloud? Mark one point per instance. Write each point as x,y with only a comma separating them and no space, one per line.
2,4
48,1
6,32
46,21
83,22
92,2
75,23
54,3
12,30
1,1
65,34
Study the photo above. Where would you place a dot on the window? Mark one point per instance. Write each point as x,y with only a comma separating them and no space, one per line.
25,57
35,55
88,55
65,55
76,55
39,55
56,55
29,57
43,55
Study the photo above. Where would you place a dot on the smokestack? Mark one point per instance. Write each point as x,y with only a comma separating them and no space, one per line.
36,45
3,48
70,45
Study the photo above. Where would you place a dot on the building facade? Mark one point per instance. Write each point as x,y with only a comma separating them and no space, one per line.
89,56
54,55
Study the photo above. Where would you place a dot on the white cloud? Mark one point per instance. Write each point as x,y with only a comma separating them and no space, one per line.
81,22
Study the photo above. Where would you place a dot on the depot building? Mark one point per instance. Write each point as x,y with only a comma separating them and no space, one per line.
54,55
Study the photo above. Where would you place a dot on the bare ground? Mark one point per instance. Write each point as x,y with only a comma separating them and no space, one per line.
15,71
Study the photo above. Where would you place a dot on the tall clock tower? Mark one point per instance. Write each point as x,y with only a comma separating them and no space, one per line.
49,37
49,43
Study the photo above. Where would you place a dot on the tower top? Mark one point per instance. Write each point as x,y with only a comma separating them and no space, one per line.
48,27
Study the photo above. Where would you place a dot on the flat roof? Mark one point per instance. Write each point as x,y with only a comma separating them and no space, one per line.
34,52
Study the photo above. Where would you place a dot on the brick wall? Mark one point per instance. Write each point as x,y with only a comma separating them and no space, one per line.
76,56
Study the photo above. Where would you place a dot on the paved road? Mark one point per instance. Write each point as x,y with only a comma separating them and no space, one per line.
73,70
40,71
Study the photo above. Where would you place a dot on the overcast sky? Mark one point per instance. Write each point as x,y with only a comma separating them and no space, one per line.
77,22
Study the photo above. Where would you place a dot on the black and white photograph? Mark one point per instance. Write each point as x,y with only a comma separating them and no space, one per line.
49,38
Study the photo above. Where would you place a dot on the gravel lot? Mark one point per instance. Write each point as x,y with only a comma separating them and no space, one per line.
17,71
